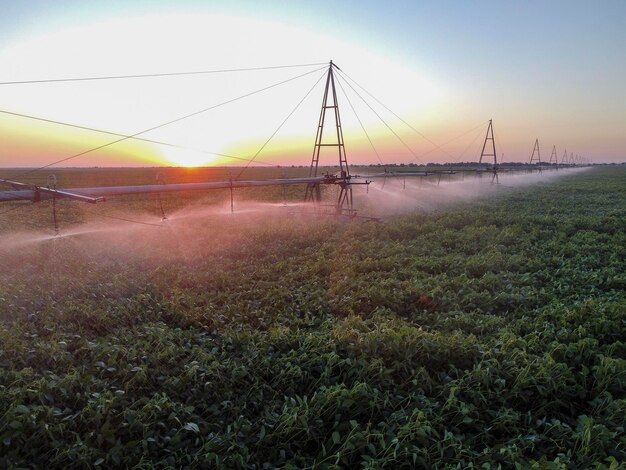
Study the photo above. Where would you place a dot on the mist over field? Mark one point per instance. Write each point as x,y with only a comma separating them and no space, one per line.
199,228
396,196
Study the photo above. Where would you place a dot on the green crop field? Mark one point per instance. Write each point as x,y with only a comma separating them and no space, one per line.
484,334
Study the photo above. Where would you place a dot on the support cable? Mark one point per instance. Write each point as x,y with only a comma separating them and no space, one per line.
141,139
384,122
502,152
127,220
470,144
124,219
361,124
279,127
150,75
97,215
437,147
93,149
480,126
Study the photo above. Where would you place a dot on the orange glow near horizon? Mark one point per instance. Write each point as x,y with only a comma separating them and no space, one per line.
39,144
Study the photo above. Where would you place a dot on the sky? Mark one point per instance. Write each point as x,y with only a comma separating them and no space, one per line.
418,81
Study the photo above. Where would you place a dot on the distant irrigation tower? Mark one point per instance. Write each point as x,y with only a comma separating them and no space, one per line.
485,152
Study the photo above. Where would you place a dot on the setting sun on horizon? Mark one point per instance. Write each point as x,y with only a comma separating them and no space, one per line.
188,158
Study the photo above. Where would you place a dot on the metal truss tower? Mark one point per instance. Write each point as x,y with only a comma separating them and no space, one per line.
489,138
313,190
535,151
553,158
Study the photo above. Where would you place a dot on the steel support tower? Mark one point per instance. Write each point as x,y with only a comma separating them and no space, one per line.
489,138
536,155
553,158
313,190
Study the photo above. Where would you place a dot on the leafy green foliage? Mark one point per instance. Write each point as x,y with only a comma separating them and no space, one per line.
487,335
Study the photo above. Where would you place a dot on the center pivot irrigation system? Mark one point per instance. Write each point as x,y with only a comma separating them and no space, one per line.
343,180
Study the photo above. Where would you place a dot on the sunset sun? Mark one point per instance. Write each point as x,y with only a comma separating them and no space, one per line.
187,157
